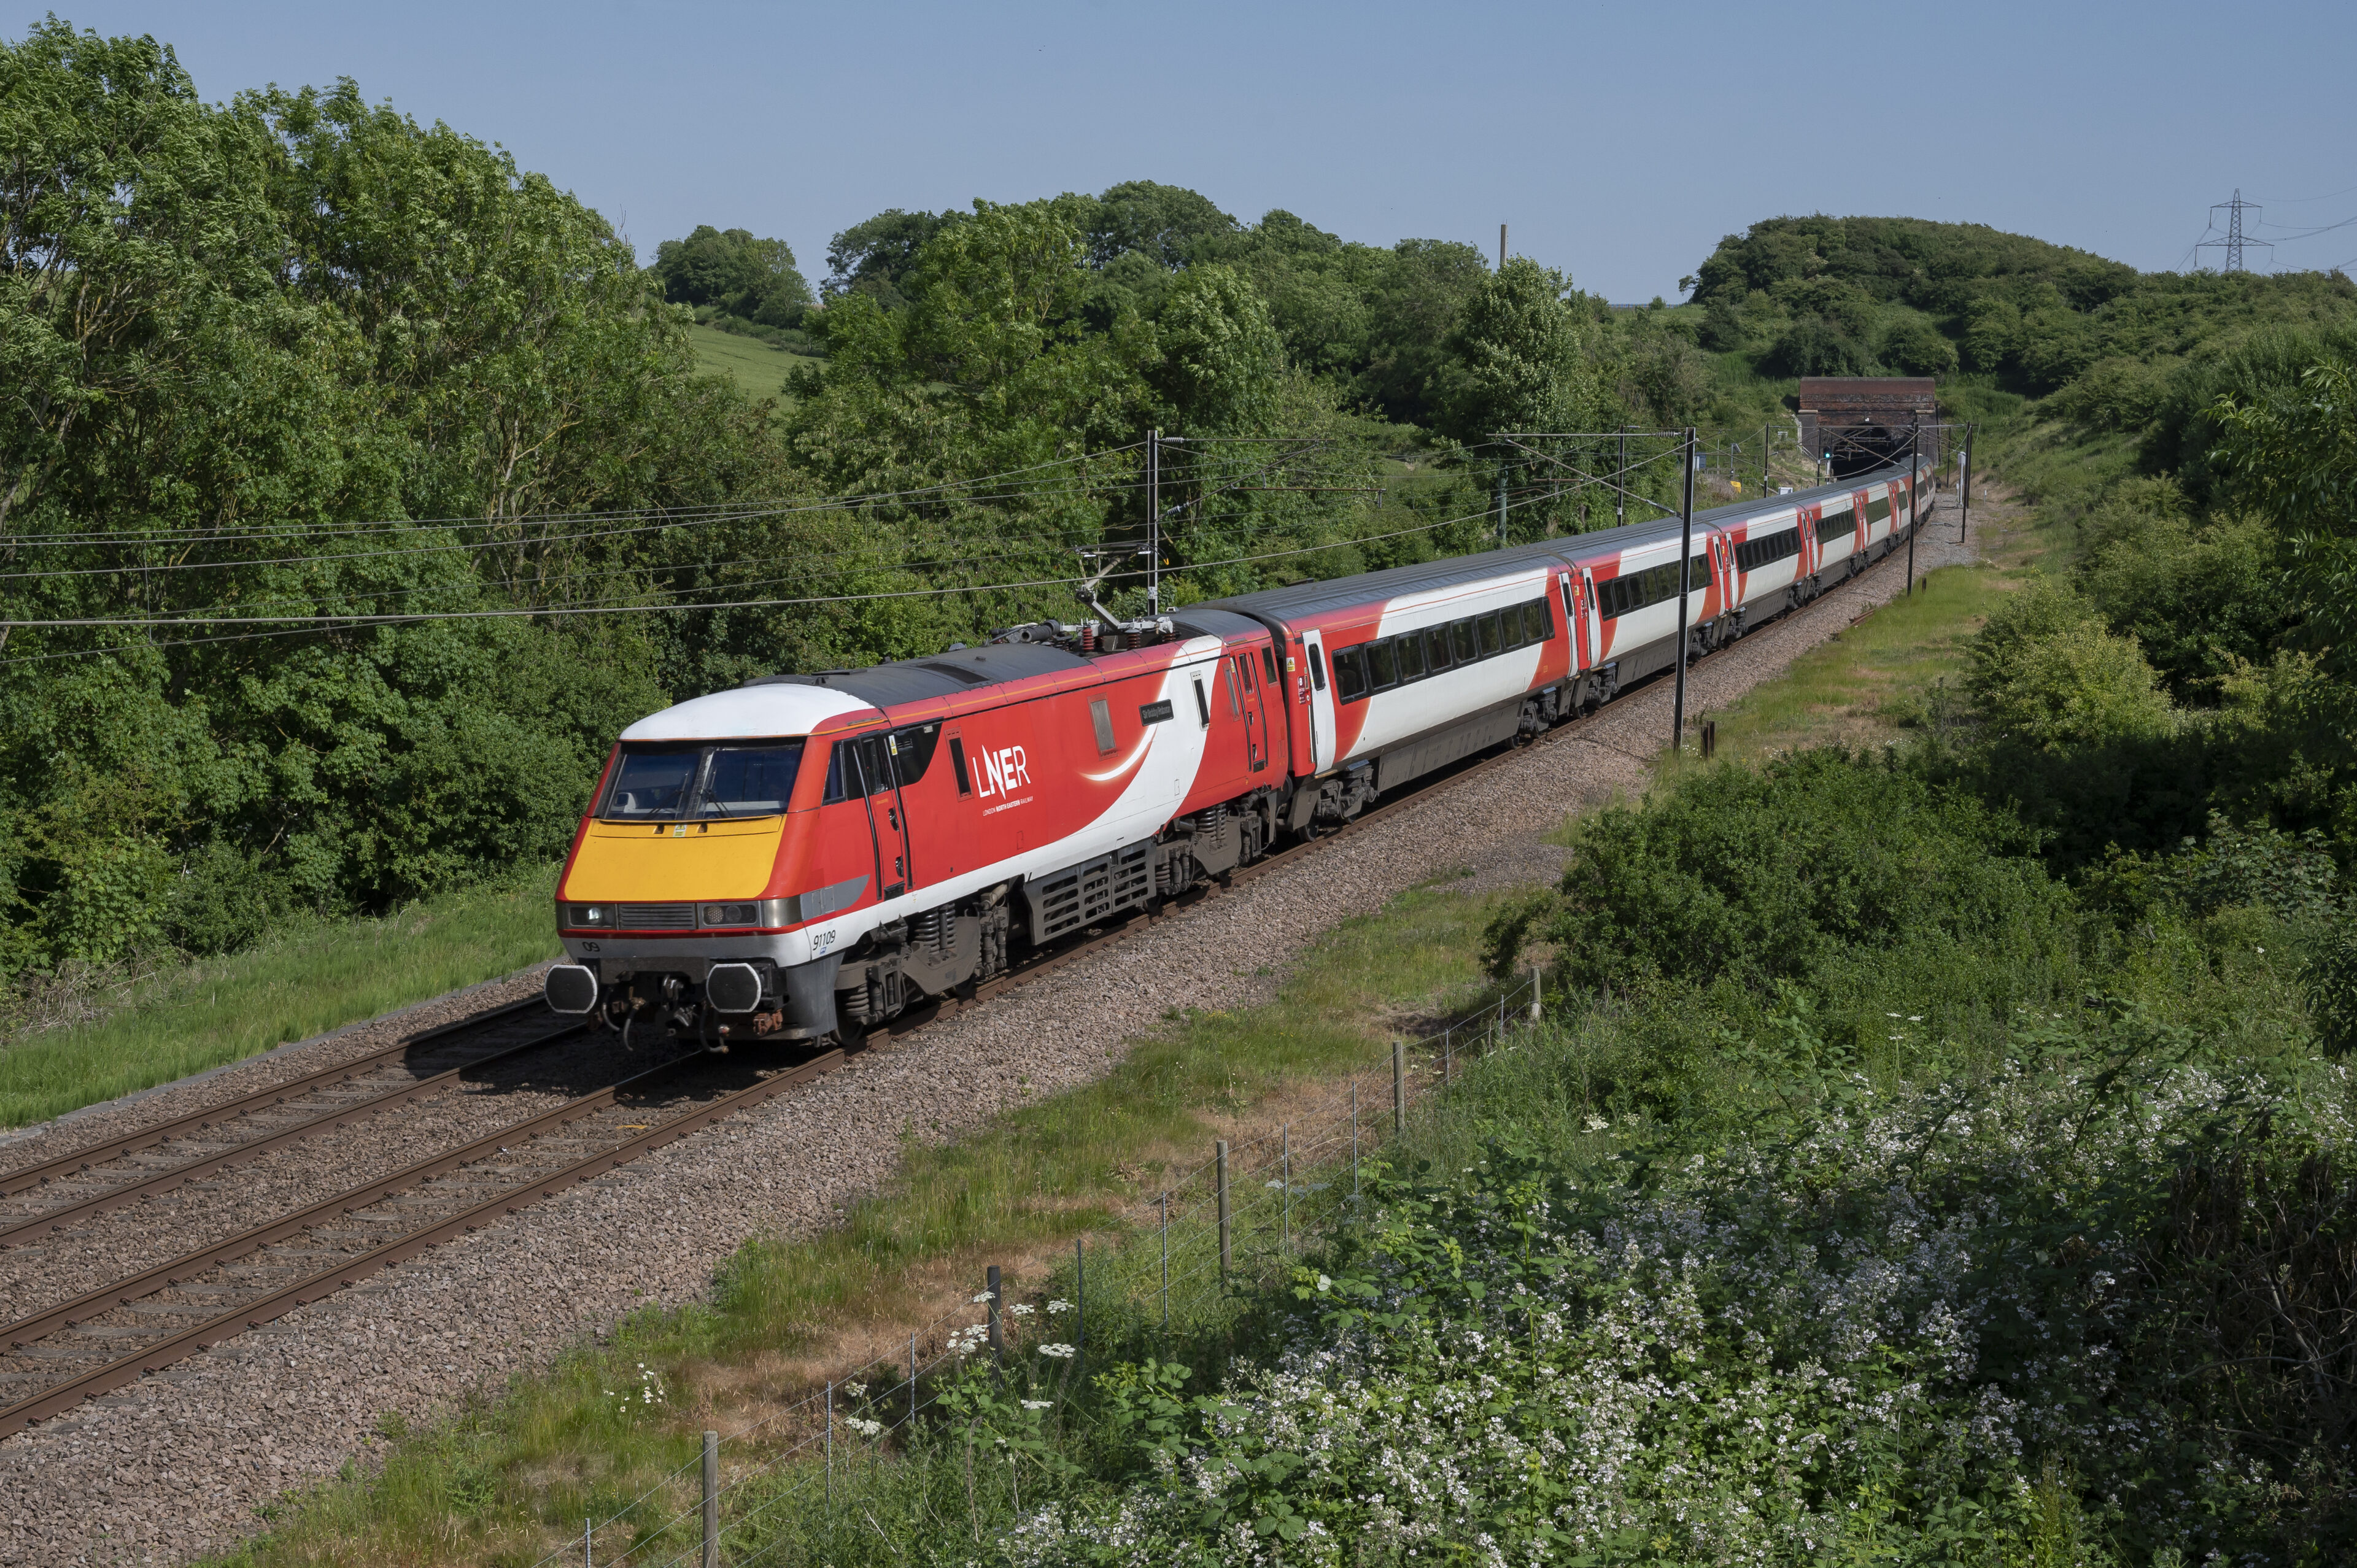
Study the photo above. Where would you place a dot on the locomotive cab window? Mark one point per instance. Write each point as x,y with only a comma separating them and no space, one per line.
912,752
748,780
1269,664
670,782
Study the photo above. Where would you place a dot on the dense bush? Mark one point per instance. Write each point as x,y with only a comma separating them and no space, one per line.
1776,873
1923,1328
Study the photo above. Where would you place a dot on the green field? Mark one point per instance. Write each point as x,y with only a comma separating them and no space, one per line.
758,367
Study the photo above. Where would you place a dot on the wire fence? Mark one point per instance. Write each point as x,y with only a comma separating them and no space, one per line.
1237,1220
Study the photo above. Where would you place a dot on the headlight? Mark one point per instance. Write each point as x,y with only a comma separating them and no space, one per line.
594,915
729,914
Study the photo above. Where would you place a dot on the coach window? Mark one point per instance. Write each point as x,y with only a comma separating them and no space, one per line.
1436,648
1381,668
1411,656
1537,625
1460,637
1492,635
1316,669
1510,621
1350,675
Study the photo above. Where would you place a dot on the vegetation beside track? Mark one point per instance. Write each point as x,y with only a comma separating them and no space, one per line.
306,980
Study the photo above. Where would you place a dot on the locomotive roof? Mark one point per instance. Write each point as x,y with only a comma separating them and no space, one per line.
744,714
937,674
1343,593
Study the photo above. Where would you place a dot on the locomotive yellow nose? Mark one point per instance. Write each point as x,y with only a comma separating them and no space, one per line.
666,862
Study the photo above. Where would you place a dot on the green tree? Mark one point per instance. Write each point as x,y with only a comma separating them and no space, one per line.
2291,452
753,278
873,256
1515,360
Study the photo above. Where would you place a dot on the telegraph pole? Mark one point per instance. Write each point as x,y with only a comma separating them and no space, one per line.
1964,520
1620,483
1685,564
1153,524
1501,243
1914,468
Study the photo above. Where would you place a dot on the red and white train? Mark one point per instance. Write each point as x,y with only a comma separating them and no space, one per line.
807,856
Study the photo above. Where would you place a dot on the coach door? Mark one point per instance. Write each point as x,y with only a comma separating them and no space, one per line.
1320,699
1245,667
1575,595
1812,549
1590,616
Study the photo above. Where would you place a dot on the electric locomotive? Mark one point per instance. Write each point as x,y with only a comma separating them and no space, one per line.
808,855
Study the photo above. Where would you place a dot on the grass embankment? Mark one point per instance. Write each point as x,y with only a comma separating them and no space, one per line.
513,1474
302,983
761,370
1896,670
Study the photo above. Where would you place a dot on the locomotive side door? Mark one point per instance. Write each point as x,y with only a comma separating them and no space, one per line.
887,817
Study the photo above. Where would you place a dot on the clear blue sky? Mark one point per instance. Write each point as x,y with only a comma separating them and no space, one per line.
1620,142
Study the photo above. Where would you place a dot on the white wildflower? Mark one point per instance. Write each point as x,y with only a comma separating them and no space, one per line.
1059,1305
1038,1404
1060,1352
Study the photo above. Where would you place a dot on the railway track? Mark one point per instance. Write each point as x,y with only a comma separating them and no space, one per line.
170,1154
53,1359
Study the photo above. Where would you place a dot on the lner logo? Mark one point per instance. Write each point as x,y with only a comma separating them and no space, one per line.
1001,772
